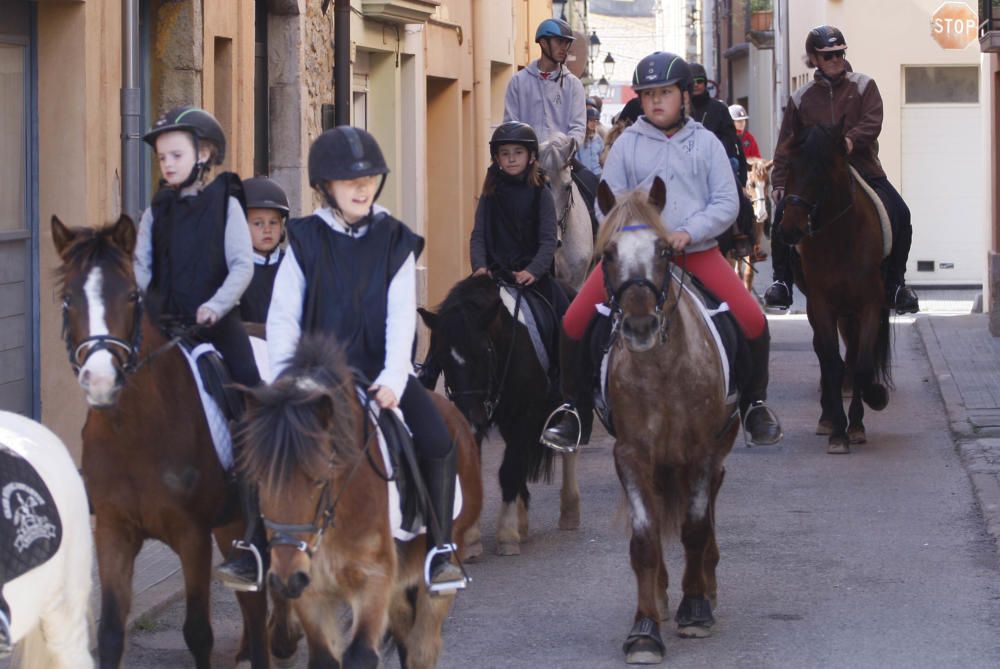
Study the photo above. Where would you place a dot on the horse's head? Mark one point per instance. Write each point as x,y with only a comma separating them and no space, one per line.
101,305
465,333
758,184
299,443
555,157
817,182
636,261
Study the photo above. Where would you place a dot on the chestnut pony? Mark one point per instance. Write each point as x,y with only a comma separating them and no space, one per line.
673,420
313,452
836,229
148,462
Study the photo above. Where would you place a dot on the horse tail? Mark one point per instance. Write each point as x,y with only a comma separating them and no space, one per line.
883,351
540,459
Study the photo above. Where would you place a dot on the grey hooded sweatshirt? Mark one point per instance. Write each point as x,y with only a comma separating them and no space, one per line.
701,191
555,104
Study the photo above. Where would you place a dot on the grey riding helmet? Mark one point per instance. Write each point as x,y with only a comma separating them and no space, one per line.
659,69
514,132
262,193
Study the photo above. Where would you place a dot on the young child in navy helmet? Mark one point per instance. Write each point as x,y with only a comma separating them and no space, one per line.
350,271
194,259
267,211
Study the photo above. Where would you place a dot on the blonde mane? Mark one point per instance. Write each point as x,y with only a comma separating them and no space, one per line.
633,209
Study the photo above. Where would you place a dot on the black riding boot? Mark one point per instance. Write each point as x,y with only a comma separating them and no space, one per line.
759,421
247,563
441,575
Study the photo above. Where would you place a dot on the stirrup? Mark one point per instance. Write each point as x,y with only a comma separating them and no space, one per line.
448,586
258,584
559,448
754,406
6,647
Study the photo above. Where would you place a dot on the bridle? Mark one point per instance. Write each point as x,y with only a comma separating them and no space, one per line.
561,221
812,226
106,342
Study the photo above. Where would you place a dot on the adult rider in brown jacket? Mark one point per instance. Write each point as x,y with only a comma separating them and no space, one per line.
836,93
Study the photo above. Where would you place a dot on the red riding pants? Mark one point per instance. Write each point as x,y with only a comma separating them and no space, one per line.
708,266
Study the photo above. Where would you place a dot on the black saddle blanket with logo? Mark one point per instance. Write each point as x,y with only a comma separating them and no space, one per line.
30,528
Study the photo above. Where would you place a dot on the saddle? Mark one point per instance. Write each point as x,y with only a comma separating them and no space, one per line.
538,315
883,214
734,353
30,527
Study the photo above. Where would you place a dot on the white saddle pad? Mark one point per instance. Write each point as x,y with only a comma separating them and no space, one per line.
524,316
883,215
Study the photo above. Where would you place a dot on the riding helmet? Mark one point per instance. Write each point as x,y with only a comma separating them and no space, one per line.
697,71
554,28
344,153
596,102
738,112
262,193
593,114
659,69
194,120
514,132
825,38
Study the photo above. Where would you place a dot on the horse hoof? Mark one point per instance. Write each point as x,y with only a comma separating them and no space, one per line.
694,618
856,435
285,662
643,651
569,521
473,552
839,446
876,397
824,428
694,632
508,548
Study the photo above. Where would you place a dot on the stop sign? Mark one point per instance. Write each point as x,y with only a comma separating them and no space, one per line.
954,25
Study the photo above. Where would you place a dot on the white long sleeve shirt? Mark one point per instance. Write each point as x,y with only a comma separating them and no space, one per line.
284,319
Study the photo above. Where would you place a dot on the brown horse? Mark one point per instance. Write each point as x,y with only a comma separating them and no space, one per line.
839,239
673,420
148,461
313,453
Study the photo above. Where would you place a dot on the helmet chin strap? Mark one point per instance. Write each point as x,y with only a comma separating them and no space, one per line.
199,168
361,222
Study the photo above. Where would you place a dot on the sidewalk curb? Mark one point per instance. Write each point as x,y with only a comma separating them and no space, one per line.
152,601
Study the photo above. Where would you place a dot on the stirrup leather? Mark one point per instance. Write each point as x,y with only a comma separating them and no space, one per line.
760,405
6,647
447,586
258,584
564,408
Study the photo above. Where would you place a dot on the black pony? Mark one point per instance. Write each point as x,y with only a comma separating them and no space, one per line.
492,374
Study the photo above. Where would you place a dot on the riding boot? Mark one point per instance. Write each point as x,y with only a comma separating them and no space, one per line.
759,421
441,575
244,570
779,295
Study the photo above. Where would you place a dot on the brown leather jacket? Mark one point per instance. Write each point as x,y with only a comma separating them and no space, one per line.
854,97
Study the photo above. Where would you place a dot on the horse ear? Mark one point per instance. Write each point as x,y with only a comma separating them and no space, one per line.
62,236
605,198
658,194
429,317
768,164
123,234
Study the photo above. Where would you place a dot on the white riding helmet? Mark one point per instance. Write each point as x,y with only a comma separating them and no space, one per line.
738,113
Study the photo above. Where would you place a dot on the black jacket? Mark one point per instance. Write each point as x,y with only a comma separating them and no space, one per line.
714,115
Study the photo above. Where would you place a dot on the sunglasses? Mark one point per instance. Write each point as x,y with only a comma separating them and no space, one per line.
830,55
699,80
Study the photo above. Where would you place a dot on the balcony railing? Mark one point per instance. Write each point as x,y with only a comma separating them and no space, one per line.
989,25
399,11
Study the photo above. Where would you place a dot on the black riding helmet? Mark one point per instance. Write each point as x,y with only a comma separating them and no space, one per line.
262,193
201,125
825,38
342,154
514,132
661,68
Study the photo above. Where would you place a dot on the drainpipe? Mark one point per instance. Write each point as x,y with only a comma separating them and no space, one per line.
481,89
131,111
342,61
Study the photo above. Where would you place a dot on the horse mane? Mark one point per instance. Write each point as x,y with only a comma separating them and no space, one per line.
816,152
465,302
92,247
633,209
554,152
290,422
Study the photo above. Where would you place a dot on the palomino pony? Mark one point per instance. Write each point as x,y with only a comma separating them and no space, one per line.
758,190
49,604
836,229
493,375
148,460
312,450
673,420
573,221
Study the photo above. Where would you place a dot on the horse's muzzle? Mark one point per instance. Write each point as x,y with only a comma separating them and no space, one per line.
101,389
640,332
293,589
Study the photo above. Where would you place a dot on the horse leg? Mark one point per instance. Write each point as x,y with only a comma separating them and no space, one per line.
513,477
523,521
826,344
254,644
473,546
694,615
316,614
117,547
371,616
569,496
195,550
283,636
423,642
712,547
643,644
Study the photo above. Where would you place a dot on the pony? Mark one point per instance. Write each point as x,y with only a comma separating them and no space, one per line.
758,190
555,156
148,461
674,423
309,445
835,227
50,604
493,375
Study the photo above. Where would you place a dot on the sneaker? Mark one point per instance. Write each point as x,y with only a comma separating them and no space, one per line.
778,296
562,430
444,576
903,299
243,571
762,425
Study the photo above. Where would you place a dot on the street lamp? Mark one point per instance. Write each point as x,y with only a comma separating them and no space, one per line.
602,87
595,46
609,66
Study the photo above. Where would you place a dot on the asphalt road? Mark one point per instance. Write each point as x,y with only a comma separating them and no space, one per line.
874,559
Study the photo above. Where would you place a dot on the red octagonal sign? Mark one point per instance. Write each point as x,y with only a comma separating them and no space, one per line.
954,25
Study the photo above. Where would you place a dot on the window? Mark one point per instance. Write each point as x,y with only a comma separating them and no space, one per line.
942,85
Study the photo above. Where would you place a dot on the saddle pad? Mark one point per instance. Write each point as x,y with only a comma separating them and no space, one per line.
30,528
883,215
395,508
527,317
217,423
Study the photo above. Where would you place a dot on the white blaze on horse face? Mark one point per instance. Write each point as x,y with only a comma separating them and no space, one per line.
636,255
640,518
98,376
